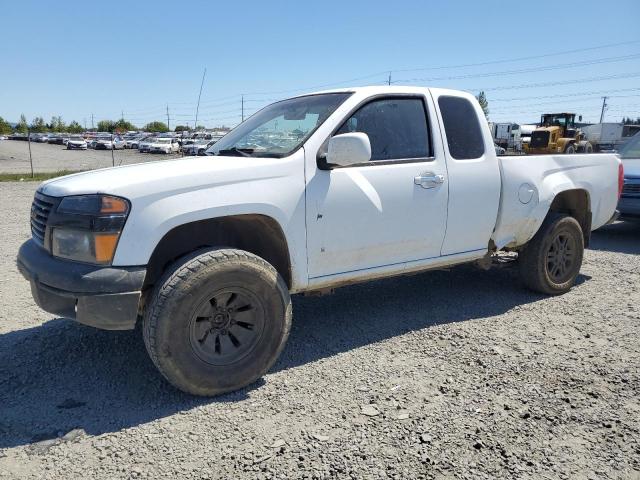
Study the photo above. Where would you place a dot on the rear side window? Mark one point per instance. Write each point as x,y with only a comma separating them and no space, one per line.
396,127
462,128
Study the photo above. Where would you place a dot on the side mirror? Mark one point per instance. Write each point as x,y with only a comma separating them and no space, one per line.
349,149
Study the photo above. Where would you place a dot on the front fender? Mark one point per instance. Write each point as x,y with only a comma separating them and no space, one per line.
279,196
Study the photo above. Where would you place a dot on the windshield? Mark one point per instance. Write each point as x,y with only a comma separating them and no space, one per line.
632,148
279,129
163,140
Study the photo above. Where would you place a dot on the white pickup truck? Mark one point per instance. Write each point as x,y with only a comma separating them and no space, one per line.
308,194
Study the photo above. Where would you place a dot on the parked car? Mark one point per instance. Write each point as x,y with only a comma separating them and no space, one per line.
38,137
133,142
57,139
164,145
76,142
629,204
199,147
354,185
145,144
109,143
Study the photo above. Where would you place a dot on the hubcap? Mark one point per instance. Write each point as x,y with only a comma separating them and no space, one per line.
226,326
561,258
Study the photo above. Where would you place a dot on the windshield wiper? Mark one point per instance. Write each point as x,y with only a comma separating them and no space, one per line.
241,152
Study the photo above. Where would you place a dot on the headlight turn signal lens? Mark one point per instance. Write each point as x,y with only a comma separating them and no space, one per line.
84,246
114,205
94,205
105,246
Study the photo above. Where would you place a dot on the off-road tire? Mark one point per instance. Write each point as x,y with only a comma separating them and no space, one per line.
570,149
168,322
534,260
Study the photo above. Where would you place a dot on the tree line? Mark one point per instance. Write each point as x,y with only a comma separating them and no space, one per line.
57,125
630,121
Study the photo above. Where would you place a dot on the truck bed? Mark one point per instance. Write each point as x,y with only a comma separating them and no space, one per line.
531,182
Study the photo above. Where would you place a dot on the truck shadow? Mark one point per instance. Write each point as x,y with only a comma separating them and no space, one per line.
61,376
621,237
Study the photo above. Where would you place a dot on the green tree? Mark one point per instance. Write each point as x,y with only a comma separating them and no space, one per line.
482,100
5,128
181,128
124,126
156,127
106,126
75,127
22,126
38,125
57,125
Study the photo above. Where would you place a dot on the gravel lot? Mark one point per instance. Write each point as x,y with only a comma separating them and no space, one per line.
449,374
14,157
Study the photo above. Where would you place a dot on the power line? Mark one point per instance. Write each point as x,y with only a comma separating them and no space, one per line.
389,71
596,92
525,70
530,57
556,83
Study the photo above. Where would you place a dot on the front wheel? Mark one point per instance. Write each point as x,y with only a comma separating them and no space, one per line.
217,321
551,261
570,149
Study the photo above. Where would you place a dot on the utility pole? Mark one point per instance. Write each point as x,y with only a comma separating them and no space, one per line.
92,121
30,157
242,106
168,124
122,114
199,95
389,81
604,105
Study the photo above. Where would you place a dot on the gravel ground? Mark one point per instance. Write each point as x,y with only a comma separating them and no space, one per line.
14,157
448,374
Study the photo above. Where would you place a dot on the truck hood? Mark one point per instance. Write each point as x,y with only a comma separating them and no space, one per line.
631,167
162,177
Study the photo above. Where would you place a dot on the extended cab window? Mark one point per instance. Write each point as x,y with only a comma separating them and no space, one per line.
462,128
396,127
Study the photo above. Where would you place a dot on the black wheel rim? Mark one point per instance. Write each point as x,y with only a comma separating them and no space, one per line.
226,326
561,258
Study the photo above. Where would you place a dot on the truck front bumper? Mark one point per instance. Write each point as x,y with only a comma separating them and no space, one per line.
100,296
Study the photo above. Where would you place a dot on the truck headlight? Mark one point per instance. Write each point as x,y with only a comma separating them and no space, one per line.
86,228
84,246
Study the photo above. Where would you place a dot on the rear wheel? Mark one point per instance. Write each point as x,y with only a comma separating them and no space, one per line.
217,321
588,148
551,261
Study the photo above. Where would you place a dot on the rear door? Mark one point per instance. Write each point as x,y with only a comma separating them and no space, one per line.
474,172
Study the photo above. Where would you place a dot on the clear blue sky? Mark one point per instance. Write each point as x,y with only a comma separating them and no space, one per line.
78,58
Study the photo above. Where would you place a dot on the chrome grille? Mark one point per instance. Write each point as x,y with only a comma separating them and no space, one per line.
40,210
631,188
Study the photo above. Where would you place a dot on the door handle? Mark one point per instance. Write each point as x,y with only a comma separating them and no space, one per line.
428,180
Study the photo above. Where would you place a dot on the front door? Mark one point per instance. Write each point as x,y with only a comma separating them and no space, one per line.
388,211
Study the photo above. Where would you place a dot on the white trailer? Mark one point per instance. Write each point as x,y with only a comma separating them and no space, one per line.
607,137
